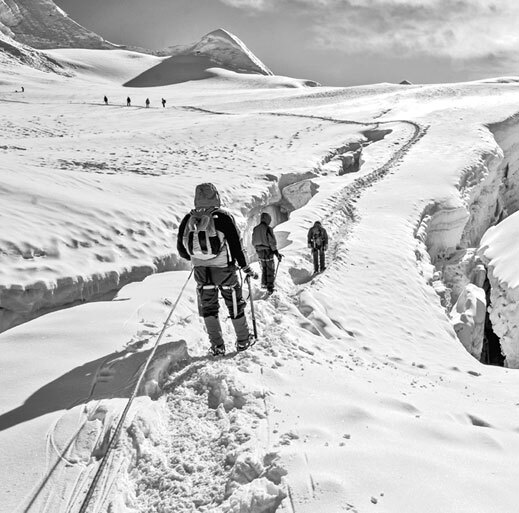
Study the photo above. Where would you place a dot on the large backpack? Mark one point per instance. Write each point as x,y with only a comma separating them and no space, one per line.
259,235
201,239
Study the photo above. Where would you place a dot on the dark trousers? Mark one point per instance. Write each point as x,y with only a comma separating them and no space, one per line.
210,280
319,260
268,268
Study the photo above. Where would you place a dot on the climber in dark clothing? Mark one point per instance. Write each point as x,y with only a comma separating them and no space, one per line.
208,237
128,101
105,99
318,243
264,241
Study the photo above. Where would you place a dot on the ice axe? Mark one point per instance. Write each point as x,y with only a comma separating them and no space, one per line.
252,313
280,257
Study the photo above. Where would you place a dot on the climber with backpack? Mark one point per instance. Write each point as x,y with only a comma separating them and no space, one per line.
265,244
318,243
209,238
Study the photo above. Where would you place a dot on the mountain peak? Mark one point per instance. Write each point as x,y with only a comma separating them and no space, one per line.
230,51
42,24
225,50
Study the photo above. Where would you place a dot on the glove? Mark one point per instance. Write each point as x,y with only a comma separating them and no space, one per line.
279,255
250,272
309,246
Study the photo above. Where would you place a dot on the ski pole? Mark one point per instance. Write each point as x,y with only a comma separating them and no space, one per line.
253,315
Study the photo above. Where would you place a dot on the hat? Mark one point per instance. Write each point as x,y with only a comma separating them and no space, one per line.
206,195
265,218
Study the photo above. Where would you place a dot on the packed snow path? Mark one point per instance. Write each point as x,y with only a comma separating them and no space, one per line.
225,392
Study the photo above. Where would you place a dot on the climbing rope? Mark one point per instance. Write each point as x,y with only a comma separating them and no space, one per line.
118,429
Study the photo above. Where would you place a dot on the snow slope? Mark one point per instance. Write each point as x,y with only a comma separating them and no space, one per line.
358,395
227,51
13,53
39,270
42,24
219,54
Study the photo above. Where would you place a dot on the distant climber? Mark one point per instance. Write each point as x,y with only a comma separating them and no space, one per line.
264,241
128,102
318,243
163,102
147,102
208,237
105,100
23,89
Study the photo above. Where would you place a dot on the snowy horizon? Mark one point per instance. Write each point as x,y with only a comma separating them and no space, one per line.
336,43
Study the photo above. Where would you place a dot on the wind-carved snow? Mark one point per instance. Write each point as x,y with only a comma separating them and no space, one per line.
499,250
468,318
455,227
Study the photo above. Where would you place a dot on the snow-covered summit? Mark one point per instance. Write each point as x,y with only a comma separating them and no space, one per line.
218,50
226,51
42,24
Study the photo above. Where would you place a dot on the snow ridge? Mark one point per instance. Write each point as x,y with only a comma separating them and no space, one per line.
226,50
217,53
230,51
12,52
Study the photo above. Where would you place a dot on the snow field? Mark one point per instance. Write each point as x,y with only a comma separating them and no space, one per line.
124,197
358,396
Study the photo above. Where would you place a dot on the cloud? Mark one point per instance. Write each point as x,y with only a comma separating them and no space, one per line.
460,29
463,30
255,5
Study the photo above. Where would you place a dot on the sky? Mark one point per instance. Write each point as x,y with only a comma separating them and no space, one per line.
335,42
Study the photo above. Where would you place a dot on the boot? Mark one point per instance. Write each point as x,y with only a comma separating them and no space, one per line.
214,330
243,338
